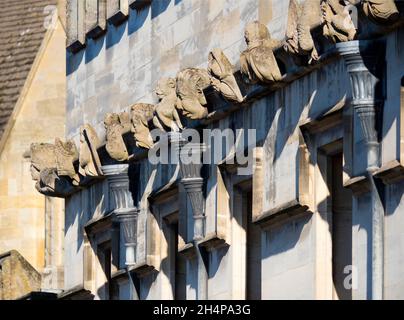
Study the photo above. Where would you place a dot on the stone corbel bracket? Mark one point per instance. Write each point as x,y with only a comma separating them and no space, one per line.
365,65
212,241
188,250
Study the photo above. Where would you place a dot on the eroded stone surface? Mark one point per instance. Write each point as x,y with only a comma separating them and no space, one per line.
52,167
380,11
115,125
302,17
17,276
165,114
338,24
221,76
190,85
141,115
90,164
258,62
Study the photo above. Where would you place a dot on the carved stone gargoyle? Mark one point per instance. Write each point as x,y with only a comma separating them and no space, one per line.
337,22
66,153
89,160
221,76
165,113
115,125
141,114
191,100
302,17
380,11
258,63
52,168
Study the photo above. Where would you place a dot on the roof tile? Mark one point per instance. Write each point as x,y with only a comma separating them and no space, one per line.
21,34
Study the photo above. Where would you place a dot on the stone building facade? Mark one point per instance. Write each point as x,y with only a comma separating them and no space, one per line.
307,203
32,109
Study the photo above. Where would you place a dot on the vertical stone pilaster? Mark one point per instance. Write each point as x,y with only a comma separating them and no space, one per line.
117,10
190,161
363,60
96,17
125,211
75,20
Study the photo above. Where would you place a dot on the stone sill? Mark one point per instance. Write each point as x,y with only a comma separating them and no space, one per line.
142,269
76,293
188,250
390,173
213,241
281,213
358,185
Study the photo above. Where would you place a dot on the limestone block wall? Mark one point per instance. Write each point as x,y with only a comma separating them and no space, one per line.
40,117
122,67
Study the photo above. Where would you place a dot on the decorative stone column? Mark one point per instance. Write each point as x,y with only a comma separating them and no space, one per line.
126,213
362,59
192,181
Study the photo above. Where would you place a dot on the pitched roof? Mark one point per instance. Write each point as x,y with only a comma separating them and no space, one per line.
21,33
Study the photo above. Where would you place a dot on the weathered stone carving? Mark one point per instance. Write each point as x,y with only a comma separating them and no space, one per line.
141,114
302,17
338,24
66,153
52,168
190,85
165,114
258,63
90,164
42,156
221,76
380,11
115,126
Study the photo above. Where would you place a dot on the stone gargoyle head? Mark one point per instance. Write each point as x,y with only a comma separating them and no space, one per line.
190,85
165,87
42,157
